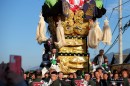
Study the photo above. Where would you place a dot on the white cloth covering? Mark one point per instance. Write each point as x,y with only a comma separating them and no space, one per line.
41,29
60,35
94,36
107,35
99,31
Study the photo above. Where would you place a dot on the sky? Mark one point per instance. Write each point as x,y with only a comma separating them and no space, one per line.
18,23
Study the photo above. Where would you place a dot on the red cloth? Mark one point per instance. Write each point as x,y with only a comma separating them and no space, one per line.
79,82
74,6
37,83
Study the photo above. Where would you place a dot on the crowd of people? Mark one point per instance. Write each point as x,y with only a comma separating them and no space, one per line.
97,78
54,78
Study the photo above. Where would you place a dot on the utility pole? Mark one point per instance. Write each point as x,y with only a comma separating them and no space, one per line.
120,33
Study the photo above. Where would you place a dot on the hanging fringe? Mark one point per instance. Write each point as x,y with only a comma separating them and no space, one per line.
107,35
60,35
41,31
92,37
95,35
99,31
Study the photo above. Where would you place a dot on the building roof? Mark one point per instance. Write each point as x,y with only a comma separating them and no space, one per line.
127,59
115,59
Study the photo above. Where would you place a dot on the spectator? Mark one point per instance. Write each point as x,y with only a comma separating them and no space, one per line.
12,79
98,79
100,72
70,78
92,75
50,71
46,78
88,81
55,80
74,74
25,78
38,78
105,81
60,75
116,78
125,77
63,82
33,77
77,81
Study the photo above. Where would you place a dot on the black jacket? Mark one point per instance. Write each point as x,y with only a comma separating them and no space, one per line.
60,83
92,83
73,82
96,59
106,82
56,83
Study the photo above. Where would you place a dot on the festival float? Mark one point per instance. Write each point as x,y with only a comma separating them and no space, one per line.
73,29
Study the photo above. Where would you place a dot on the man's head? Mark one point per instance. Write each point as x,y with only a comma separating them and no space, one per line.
60,75
75,75
53,50
99,70
54,76
49,40
87,76
71,76
124,73
97,75
38,74
78,72
105,76
33,76
47,75
116,76
101,52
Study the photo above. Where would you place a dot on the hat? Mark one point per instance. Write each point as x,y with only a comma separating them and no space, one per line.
54,72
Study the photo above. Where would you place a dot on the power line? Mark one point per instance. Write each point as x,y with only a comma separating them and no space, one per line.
123,30
111,14
125,16
121,4
116,7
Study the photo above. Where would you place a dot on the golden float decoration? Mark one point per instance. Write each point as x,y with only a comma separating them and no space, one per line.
69,64
74,26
